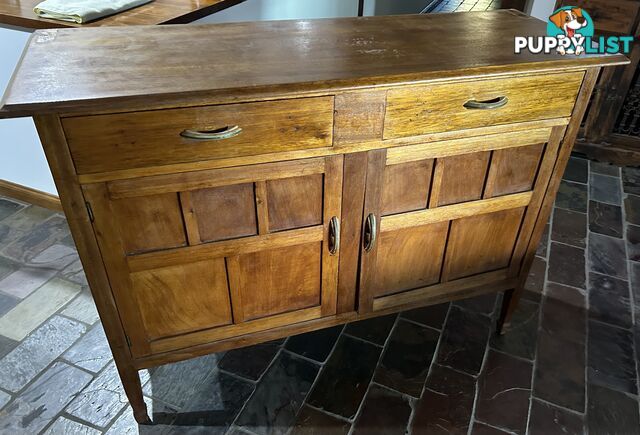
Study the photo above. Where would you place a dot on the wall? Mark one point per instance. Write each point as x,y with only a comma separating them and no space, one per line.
541,8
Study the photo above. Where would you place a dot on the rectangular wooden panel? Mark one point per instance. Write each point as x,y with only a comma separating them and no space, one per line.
103,143
406,187
459,178
413,111
179,299
225,212
481,243
513,170
150,223
359,116
410,258
295,202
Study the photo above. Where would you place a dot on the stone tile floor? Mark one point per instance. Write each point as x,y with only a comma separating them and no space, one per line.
568,365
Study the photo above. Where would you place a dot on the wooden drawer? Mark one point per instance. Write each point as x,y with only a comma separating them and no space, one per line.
103,143
414,111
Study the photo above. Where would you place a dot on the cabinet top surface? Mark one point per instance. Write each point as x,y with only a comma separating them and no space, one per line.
88,69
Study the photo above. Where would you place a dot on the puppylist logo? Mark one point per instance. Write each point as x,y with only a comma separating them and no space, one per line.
570,30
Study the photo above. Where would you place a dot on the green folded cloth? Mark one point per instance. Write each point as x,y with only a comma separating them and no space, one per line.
82,11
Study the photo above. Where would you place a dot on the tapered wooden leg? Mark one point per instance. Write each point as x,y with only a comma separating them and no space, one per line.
133,389
509,303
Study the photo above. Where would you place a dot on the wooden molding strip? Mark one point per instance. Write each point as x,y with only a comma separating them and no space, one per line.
32,196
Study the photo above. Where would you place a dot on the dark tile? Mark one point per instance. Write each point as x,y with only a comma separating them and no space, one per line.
605,219
547,419
21,223
633,242
42,236
611,412
534,286
607,256
483,304
7,267
345,377
483,429
406,360
603,188
446,404
572,196
544,241
564,313
577,170
91,352
7,302
432,315
383,412
375,330
604,168
6,345
569,227
611,360
464,340
632,209
278,397
520,339
313,422
316,345
609,300
631,180
634,275
503,392
566,265
249,362
7,208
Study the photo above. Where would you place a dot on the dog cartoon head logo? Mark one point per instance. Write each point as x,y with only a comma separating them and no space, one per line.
571,23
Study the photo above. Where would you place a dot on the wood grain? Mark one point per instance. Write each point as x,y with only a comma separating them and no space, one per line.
513,170
459,179
30,195
295,202
358,116
406,186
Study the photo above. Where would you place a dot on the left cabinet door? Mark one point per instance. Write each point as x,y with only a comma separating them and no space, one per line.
200,256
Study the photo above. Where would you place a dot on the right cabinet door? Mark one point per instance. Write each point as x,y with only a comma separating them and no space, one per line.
450,215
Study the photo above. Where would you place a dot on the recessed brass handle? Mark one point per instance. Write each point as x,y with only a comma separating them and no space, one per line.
370,232
217,134
494,103
334,235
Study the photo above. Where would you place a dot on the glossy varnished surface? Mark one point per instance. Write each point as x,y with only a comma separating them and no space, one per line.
65,70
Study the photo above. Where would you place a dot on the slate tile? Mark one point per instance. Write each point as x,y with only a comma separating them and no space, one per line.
82,308
278,397
503,392
37,239
75,273
7,267
484,429
7,302
21,223
161,415
215,405
572,196
605,219
632,209
4,399
544,242
91,352
547,419
611,360
37,308
566,265
603,188
569,227
576,170
6,345
35,353
520,339
407,359
483,304
174,384
25,280
43,400
634,275
54,257
633,242
534,286
611,412
384,412
432,315
313,422
464,340
345,377
604,168
631,180
315,345
8,207
447,403
64,426
607,256
376,330
249,362
564,313
609,300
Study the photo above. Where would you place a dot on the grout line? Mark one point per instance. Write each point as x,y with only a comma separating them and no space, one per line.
346,334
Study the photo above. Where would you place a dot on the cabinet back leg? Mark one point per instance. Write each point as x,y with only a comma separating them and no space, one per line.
509,303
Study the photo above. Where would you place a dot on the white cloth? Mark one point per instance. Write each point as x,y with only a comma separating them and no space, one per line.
82,11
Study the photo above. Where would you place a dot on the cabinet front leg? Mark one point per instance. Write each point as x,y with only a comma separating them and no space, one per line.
133,389
509,302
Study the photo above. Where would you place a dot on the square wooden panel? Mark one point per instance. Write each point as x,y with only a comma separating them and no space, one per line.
481,243
406,187
225,212
276,281
410,258
149,223
513,170
295,202
459,178
178,299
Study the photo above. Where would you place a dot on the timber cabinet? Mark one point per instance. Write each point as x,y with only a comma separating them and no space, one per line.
298,175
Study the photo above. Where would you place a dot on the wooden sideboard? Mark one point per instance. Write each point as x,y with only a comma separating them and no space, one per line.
300,174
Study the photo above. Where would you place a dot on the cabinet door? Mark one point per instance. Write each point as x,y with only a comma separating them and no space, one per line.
200,256
445,216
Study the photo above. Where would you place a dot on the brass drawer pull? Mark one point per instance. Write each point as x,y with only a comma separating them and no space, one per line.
494,103
370,232
217,134
334,235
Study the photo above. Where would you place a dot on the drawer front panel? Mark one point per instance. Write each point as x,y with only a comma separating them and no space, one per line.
415,111
103,143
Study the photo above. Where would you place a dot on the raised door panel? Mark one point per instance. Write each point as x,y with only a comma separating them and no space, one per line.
459,178
513,170
294,202
406,186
